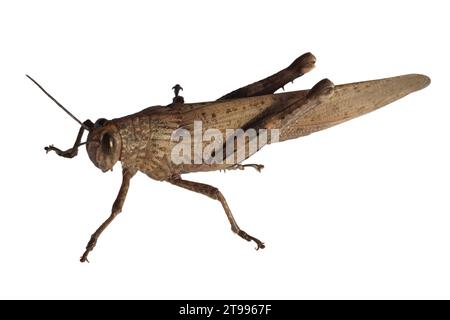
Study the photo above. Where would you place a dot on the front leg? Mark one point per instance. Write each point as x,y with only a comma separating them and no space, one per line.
116,209
215,194
72,152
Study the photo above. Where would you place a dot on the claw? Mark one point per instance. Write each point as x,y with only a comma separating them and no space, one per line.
260,245
246,236
84,259
259,167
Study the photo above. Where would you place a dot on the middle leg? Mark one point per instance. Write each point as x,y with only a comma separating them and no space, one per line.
215,194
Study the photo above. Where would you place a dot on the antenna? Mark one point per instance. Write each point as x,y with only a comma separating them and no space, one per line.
59,104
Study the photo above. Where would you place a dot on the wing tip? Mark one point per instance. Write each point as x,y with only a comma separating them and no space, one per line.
421,81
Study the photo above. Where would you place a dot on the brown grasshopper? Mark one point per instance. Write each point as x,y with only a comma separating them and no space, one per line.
144,141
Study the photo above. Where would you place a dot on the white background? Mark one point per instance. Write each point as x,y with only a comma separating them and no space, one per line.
357,211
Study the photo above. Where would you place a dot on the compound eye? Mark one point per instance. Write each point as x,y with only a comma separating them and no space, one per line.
107,143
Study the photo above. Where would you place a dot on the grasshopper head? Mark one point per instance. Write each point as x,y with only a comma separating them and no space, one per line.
104,144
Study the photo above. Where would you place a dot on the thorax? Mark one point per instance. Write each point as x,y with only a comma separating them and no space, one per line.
146,139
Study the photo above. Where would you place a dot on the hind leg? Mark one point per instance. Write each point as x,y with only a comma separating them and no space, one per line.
269,85
320,92
238,166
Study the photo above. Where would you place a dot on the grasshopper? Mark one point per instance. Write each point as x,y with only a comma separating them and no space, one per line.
144,142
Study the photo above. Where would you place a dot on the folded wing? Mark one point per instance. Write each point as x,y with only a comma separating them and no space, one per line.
352,100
